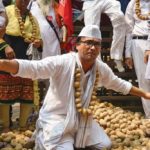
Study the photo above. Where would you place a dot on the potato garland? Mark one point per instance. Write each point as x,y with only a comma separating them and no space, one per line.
138,11
78,101
22,29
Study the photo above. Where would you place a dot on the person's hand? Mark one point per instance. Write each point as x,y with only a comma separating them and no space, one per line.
9,52
37,43
146,55
147,95
129,62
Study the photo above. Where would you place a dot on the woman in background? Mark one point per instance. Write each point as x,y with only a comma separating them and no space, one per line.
22,29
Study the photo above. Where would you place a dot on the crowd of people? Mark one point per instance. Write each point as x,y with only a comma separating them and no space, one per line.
65,118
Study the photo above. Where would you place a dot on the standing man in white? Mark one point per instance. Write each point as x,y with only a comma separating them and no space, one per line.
112,8
137,18
41,9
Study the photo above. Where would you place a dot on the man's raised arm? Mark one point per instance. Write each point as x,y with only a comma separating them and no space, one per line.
10,66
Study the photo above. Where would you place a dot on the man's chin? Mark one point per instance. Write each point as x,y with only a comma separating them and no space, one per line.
90,59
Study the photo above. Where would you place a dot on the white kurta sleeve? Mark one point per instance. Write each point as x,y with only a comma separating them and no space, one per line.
109,80
41,69
130,25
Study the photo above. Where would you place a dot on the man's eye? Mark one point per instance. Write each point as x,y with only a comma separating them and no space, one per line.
97,44
89,42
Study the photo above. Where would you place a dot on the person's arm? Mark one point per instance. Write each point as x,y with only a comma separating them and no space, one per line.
35,69
10,66
146,56
110,81
139,92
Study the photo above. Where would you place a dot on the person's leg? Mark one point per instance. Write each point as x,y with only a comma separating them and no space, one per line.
25,110
138,49
101,146
67,145
98,138
4,115
66,142
92,12
113,10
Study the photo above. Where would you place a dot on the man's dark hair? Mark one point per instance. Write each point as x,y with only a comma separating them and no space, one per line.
6,2
78,39
77,42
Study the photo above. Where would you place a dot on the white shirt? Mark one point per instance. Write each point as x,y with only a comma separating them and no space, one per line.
56,111
136,26
51,45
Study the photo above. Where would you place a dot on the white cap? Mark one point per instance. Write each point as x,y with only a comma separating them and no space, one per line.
91,31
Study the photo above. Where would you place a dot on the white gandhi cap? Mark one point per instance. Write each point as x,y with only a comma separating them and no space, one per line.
91,31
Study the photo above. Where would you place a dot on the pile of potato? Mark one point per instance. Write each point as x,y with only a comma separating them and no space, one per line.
127,130
15,140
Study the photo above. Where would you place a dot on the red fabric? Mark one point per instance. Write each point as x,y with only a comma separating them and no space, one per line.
65,11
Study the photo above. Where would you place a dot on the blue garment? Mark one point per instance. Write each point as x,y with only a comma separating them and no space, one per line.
124,4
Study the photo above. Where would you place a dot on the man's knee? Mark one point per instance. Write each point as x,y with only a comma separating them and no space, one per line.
119,19
105,144
65,146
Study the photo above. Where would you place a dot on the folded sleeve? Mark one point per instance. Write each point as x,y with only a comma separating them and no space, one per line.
110,81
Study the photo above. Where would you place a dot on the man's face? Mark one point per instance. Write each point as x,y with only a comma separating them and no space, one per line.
88,49
22,4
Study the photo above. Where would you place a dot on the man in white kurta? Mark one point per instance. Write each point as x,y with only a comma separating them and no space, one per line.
137,43
40,10
58,120
59,125
92,15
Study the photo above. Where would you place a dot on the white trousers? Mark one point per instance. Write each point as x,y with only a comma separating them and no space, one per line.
112,8
69,146
138,49
67,141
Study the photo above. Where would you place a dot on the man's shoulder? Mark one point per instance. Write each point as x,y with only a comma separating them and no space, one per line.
70,54
65,58
102,65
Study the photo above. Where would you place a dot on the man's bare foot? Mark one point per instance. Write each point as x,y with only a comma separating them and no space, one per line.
119,65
